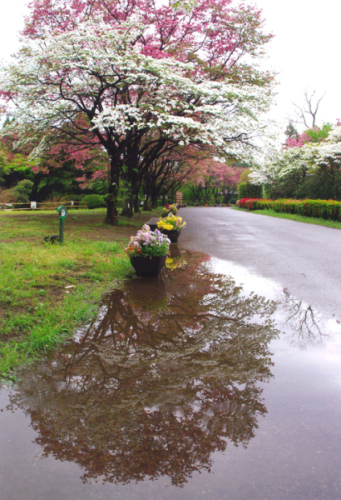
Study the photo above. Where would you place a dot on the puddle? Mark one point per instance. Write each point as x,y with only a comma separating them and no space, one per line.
198,384
304,327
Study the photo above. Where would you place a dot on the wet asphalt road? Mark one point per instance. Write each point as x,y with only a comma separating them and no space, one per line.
303,258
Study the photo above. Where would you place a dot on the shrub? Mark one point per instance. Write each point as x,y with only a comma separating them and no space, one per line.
242,191
248,190
7,196
22,191
94,200
326,209
252,203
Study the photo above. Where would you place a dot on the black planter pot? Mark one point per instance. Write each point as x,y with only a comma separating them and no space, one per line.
173,234
148,266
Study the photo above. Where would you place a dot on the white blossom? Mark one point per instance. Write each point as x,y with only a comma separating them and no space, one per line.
96,72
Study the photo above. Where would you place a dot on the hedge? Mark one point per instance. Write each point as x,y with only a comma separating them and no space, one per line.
326,209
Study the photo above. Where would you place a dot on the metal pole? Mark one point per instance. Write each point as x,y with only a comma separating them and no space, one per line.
61,230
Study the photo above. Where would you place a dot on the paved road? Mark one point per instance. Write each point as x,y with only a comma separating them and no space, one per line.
303,258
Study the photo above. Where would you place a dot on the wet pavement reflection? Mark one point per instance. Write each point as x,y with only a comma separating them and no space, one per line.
166,382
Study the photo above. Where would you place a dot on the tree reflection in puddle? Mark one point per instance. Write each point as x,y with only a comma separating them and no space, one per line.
305,328
168,373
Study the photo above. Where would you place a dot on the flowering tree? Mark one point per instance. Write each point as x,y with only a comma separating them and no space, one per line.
211,34
314,167
61,167
225,178
133,89
163,176
213,177
314,134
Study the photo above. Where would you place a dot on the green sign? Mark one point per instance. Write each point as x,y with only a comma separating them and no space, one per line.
62,212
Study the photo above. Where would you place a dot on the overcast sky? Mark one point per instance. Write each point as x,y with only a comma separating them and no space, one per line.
305,50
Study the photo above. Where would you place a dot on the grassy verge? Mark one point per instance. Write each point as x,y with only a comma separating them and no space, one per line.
47,290
299,218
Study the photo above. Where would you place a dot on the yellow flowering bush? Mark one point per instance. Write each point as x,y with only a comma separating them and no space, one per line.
172,222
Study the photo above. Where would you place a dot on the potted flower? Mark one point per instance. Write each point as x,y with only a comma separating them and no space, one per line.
168,210
171,226
148,251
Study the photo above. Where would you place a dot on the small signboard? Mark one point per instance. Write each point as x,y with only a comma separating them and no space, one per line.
62,212
33,204
179,197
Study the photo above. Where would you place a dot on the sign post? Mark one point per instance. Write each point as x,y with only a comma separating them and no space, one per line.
62,216
178,198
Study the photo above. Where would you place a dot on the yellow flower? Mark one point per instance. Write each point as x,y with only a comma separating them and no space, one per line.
164,225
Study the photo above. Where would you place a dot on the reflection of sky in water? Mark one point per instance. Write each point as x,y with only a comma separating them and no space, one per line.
322,349
250,282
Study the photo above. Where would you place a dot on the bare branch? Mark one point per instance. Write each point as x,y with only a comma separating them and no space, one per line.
311,111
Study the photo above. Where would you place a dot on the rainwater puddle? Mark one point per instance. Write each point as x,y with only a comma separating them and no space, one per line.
207,383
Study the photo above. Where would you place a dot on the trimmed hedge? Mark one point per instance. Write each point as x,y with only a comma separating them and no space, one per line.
325,209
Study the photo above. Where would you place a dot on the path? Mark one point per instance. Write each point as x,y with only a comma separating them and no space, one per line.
303,258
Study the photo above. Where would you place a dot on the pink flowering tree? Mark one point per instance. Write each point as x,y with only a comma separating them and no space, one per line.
214,178
136,81
228,178
314,135
85,166
213,35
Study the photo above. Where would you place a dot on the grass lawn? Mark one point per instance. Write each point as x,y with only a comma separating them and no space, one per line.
299,218
47,290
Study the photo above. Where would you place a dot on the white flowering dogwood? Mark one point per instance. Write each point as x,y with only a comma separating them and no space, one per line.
93,82
326,154
297,162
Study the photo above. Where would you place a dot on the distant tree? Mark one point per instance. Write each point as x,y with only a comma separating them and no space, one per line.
312,170
308,112
315,134
291,130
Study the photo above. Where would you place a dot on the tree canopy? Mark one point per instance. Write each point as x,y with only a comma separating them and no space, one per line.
138,81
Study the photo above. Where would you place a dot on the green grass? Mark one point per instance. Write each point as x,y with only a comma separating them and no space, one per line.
47,290
299,218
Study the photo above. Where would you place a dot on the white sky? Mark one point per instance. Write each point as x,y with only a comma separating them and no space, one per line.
305,50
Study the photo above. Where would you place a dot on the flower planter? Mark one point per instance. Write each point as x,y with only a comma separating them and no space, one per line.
173,234
148,266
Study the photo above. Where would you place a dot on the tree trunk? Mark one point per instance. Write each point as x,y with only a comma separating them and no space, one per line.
147,205
112,212
154,199
136,205
127,209
127,202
